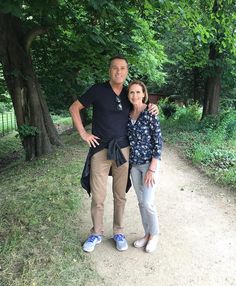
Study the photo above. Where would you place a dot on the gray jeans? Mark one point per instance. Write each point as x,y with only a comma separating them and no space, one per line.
146,197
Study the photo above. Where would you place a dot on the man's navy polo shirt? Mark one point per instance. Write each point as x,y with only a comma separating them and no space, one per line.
108,122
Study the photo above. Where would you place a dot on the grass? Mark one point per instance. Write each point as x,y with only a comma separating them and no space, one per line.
9,144
59,119
11,148
40,218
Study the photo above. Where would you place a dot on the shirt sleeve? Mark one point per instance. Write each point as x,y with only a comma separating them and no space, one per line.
88,97
156,137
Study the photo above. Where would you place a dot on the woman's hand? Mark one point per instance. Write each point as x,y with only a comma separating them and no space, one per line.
153,109
90,139
149,178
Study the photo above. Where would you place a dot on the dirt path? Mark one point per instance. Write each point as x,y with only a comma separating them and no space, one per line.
197,245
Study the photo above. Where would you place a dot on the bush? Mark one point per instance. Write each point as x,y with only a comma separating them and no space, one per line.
199,154
173,110
231,130
168,109
225,122
209,143
190,113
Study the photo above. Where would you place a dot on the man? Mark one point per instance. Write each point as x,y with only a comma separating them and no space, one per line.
109,150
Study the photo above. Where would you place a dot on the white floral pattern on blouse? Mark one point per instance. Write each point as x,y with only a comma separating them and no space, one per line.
145,138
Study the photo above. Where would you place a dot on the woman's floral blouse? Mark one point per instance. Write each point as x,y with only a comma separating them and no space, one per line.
145,138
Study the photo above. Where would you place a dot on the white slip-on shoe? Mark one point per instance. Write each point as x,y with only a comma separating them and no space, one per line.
141,242
152,244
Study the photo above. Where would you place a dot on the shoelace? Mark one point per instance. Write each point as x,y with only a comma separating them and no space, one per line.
92,238
119,237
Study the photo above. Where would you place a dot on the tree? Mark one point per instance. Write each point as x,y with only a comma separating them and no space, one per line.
79,50
35,125
222,42
199,39
83,36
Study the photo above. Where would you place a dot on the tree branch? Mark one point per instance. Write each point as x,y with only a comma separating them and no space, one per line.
31,35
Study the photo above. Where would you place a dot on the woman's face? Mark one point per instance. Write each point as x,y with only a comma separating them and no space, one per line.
136,94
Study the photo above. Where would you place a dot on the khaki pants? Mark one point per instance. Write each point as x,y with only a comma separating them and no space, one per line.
100,168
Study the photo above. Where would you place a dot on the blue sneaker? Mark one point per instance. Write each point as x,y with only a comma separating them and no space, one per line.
121,243
91,242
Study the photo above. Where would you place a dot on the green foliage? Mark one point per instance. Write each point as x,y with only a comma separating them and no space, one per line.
189,29
75,54
167,108
5,101
26,130
150,54
166,42
224,125
209,143
9,145
188,114
7,120
184,115
64,118
231,130
210,22
14,7
5,106
222,159
24,9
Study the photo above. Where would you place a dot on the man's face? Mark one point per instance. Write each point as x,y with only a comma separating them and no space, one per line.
118,71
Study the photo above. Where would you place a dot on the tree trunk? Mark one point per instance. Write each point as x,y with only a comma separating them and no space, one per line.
30,107
213,85
197,85
213,81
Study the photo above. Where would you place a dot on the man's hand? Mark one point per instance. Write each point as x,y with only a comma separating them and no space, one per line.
90,139
153,109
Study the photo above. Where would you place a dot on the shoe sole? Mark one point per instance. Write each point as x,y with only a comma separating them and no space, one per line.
139,245
123,249
150,251
120,249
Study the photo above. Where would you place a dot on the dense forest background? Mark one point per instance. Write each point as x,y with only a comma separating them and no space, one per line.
51,51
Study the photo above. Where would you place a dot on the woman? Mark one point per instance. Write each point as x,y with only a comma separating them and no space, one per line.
145,153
